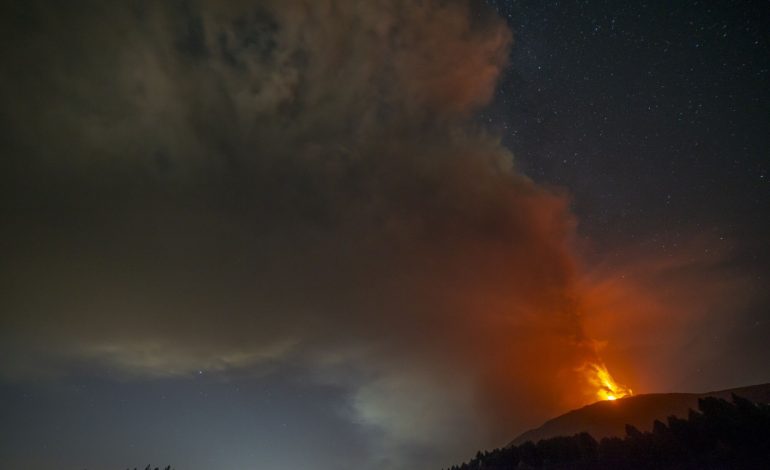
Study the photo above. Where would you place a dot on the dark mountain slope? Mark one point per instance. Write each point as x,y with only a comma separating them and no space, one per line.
609,418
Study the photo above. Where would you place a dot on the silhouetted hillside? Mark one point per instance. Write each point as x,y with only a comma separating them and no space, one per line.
722,435
609,418
149,467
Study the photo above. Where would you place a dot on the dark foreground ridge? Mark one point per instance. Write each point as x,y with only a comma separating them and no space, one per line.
149,467
609,418
722,435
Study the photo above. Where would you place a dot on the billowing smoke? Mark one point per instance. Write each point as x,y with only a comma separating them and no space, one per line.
239,185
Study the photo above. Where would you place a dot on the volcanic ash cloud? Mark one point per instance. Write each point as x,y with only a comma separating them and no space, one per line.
227,186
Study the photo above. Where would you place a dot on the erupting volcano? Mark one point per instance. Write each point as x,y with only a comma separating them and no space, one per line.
382,234
606,388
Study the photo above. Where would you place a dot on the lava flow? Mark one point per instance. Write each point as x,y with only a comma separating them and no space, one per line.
606,387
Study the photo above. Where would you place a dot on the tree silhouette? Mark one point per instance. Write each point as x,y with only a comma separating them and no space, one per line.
720,435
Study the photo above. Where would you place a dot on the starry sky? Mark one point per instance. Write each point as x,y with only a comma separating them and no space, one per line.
369,234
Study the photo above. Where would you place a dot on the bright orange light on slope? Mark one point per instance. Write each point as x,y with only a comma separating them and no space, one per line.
606,387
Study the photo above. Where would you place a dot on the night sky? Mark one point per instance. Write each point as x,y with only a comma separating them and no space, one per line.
369,234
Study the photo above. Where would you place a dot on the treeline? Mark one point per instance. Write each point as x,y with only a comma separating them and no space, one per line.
149,467
722,435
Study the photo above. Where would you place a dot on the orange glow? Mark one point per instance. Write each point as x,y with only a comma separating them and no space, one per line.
606,388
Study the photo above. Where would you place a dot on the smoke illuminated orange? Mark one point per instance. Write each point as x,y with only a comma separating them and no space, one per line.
606,387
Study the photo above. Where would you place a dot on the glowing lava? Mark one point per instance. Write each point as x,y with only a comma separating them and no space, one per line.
606,387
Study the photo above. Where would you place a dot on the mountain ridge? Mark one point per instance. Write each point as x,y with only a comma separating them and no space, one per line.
609,418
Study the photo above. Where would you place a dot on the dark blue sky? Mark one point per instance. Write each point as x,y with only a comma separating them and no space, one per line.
653,115
203,422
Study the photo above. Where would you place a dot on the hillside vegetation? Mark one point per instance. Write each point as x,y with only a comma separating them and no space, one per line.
721,435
